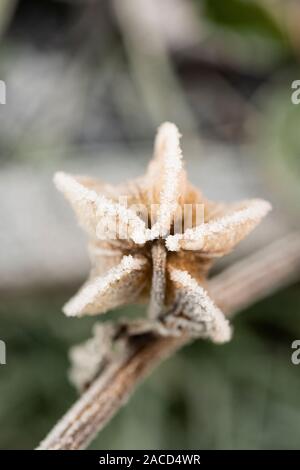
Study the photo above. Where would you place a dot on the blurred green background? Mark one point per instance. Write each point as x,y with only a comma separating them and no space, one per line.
88,82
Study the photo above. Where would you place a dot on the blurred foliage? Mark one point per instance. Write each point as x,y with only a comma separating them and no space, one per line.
241,395
246,33
7,8
243,15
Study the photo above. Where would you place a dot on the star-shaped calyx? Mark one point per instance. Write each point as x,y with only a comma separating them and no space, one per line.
155,238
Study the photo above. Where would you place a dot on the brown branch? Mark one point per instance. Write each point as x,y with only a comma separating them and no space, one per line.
237,287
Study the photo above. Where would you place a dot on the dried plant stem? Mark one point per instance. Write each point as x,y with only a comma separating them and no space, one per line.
238,286
257,275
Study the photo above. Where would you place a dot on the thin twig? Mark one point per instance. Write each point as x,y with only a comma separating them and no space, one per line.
237,287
